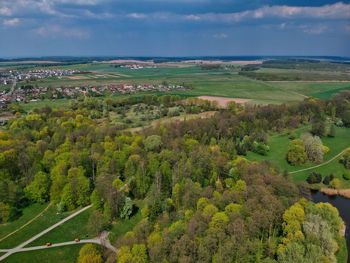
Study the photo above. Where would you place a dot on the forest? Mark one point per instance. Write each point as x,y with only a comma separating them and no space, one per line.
199,198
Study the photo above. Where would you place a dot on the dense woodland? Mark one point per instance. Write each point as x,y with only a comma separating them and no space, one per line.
200,199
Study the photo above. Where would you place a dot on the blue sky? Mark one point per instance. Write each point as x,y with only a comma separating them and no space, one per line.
174,27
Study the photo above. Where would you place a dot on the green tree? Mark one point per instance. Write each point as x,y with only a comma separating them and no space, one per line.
313,147
153,143
38,189
76,192
5,211
89,254
296,154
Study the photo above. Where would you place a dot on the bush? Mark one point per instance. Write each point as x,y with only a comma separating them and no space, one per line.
261,148
328,179
345,159
314,178
346,175
335,183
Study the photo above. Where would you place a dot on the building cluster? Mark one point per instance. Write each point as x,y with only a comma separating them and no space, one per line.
136,66
13,76
28,93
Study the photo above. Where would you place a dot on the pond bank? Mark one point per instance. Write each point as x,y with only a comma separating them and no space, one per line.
343,206
334,192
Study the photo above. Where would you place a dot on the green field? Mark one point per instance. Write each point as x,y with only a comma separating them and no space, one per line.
27,214
342,255
74,228
47,219
278,149
225,82
67,254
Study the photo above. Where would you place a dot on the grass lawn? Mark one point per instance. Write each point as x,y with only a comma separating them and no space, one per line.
27,214
60,103
67,254
321,90
74,228
47,219
342,255
122,226
278,149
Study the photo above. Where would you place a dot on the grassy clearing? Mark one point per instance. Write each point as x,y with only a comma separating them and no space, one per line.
48,218
60,103
27,214
122,226
278,149
67,254
74,228
342,255
321,90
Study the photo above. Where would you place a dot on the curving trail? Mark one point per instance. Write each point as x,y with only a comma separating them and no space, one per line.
322,164
98,241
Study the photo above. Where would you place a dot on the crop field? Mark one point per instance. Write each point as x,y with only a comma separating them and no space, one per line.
223,81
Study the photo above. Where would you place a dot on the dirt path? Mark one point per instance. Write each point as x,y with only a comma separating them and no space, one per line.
322,164
29,222
21,246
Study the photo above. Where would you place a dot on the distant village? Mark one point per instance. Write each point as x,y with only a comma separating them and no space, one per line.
13,76
29,93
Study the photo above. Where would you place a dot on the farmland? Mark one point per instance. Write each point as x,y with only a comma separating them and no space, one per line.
226,80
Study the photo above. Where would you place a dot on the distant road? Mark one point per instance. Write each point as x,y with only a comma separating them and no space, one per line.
20,247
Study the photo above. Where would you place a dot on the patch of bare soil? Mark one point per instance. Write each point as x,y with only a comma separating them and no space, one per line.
222,101
342,192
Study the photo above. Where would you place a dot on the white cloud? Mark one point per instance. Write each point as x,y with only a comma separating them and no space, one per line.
5,11
334,11
77,2
220,36
11,22
56,31
136,16
193,17
314,29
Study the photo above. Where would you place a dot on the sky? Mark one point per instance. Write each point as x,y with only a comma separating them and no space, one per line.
174,28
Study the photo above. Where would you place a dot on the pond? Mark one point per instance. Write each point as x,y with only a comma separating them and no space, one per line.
343,205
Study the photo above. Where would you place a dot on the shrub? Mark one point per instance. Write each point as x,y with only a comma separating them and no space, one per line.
345,159
332,131
314,178
260,148
346,175
335,183
328,179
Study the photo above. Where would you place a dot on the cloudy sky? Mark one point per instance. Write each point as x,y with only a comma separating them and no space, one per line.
174,27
